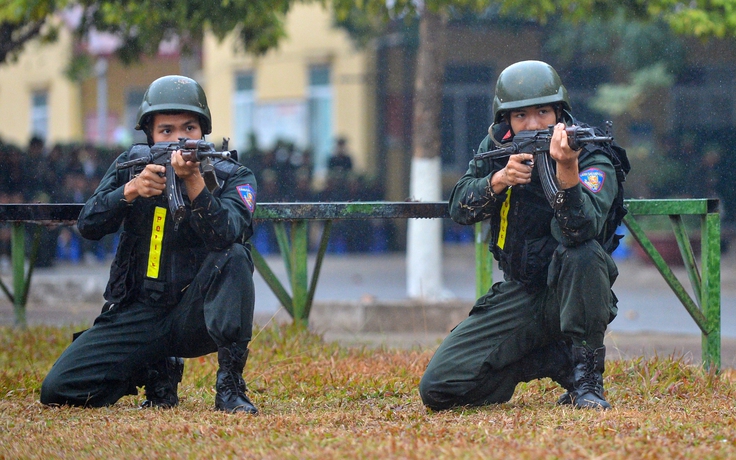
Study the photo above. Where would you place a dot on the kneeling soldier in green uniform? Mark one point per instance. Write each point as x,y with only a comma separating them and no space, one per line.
176,289
549,315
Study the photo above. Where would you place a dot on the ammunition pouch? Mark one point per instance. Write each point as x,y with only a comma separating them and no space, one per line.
176,274
529,263
128,279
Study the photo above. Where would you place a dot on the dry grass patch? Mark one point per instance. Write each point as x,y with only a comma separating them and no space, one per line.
318,400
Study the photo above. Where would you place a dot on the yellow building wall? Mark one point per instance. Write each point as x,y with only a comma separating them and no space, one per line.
121,79
70,104
283,75
40,67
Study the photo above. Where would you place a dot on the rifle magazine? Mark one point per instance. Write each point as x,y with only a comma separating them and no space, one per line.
548,178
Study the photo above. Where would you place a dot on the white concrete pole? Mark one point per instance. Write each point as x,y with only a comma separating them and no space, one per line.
424,236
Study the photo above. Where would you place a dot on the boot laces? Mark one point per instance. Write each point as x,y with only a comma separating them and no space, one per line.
233,385
589,383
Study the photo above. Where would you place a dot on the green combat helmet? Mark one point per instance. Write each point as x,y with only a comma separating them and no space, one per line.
528,83
174,93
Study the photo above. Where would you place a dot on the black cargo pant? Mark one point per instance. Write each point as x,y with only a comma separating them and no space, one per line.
479,362
216,310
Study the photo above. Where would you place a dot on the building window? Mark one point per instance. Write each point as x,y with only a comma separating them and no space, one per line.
320,116
243,109
40,114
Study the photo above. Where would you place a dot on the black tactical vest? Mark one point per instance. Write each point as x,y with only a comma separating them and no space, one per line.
524,231
154,262
522,241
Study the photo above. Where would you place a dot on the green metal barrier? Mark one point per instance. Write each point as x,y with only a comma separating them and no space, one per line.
705,308
291,224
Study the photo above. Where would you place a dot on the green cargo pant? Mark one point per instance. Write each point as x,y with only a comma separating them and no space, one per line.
99,367
479,362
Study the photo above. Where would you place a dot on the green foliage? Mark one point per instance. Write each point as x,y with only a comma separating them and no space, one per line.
631,18
618,99
645,51
22,21
385,11
79,68
700,18
21,11
361,26
143,24
259,24
631,43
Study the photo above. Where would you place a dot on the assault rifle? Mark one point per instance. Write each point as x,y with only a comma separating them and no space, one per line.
537,143
191,150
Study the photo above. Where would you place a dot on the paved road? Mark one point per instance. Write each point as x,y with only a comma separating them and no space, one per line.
646,302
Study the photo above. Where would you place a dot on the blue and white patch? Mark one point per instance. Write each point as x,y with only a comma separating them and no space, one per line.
248,195
593,179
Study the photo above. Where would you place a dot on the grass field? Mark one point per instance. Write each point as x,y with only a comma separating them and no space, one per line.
318,400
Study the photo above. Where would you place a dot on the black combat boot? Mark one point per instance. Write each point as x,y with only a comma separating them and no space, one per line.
588,378
162,381
230,384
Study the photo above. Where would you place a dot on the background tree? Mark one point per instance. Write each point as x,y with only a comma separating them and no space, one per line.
363,17
143,24
645,58
22,21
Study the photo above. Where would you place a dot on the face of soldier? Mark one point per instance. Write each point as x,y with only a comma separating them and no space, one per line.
532,118
169,127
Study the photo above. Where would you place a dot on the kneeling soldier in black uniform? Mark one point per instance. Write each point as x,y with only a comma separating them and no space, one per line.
549,315
181,289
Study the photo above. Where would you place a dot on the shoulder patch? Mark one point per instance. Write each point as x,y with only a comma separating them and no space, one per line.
593,179
248,195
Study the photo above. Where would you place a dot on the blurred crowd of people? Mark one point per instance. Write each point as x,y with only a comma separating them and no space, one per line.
69,173
65,173
62,174
285,174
